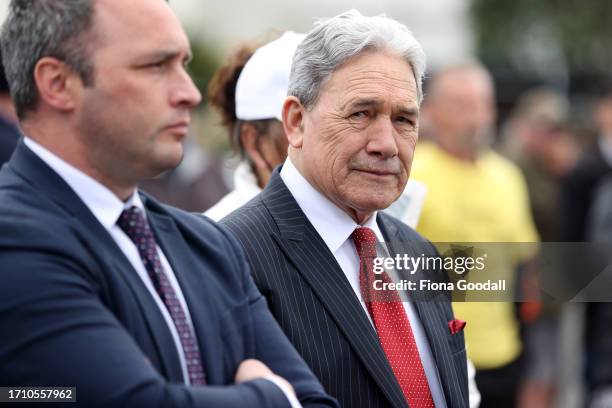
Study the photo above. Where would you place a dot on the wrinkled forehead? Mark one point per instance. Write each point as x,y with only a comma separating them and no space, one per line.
373,74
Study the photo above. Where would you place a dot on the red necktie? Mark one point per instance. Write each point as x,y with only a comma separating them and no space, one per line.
392,325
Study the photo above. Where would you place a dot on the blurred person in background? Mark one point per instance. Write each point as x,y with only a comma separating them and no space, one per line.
475,195
249,93
586,216
537,137
594,165
9,133
599,315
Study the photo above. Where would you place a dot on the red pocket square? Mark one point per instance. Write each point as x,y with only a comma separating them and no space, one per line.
456,325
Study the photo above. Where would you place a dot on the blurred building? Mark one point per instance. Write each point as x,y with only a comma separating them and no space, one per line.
442,26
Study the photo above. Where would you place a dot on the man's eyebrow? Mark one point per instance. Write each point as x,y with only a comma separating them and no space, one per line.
163,55
369,102
408,111
360,103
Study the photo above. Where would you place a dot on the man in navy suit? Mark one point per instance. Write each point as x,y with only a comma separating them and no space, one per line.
104,289
351,118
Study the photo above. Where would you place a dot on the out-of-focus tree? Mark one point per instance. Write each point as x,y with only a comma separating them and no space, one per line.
206,125
203,65
552,35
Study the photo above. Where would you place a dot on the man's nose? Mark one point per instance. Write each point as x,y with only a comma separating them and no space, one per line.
185,93
381,138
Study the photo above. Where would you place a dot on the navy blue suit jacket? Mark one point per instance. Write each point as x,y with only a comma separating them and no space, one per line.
74,313
317,308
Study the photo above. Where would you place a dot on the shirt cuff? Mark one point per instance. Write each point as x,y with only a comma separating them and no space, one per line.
286,390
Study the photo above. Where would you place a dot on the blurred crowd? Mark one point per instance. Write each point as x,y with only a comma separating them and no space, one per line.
536,174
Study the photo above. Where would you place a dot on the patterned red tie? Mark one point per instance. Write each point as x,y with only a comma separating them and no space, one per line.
392,325
135,226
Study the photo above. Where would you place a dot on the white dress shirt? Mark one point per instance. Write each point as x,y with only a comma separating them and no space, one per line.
107,208
335,227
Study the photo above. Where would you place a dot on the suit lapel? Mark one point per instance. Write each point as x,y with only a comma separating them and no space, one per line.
104,244
306,250
191,281
104,247
428,310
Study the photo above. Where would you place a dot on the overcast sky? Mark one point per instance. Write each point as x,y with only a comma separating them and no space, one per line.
440,25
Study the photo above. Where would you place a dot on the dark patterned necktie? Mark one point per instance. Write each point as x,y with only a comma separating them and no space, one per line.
392,325
136,227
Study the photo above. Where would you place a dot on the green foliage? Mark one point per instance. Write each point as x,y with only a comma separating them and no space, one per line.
583,29
204,64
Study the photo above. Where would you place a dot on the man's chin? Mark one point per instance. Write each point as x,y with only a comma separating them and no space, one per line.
372,204
167,163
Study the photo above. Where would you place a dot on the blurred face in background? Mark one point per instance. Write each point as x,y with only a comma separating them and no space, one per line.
273,148
265,147
460,111
551,146
356,144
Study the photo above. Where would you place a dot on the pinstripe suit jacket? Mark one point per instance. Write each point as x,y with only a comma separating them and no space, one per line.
315,305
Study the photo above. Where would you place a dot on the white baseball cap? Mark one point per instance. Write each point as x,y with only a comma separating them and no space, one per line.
262,85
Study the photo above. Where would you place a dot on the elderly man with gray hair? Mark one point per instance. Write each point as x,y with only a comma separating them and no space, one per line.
351,119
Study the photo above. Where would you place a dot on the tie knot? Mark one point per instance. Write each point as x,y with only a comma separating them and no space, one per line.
365,241
134,224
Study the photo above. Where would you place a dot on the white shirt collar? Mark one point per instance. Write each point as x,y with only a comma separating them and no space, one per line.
332,223
102,202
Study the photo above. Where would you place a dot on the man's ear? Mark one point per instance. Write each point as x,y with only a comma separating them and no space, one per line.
293,121
58,85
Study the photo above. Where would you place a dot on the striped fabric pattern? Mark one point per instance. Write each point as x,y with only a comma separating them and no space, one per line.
316,307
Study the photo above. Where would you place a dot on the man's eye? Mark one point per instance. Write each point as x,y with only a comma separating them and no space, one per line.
359,115
404,120
156,65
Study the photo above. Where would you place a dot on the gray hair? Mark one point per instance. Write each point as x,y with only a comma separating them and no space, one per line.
332,42
35,29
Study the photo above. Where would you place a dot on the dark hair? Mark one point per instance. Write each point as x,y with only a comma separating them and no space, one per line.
222,86
222,96
35,29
